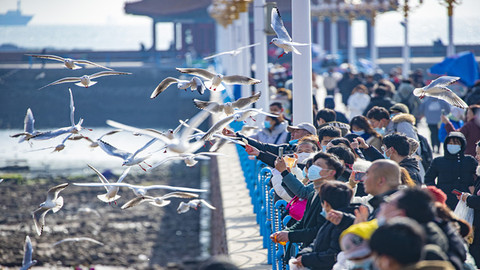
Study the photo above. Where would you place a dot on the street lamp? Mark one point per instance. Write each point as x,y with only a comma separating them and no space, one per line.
449,4
407,6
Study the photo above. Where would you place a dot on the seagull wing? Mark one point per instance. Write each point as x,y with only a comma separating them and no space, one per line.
443,81
72,108
90,63
145,146
29,122
102,178
278,27
218,54
199,83
27,251
178,194
247,46
52,193
238,79
47,56
197,72
63,80
207,204
147,132
141,187
112,150
447,95
107,73
163,85
195,122
135,201
217,127
177,129
173,157
110,133
245,101
39,219
204,104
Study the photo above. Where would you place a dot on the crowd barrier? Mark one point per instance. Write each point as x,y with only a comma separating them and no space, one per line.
270,215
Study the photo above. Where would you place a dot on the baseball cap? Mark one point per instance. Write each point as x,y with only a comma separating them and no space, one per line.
354,240
399,107
304,125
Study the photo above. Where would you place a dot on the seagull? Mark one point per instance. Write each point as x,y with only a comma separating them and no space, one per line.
69,63
129,159
27,255
184,207
229,107
28,128
195,84
179,144
78,239
53,202
111,195
85,80
74,129
94,143
215,80
141,190
438,89
158,201
239,115
189,159
283,39
232,52
1,180
57,148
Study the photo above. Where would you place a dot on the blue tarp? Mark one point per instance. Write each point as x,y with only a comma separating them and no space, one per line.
462,64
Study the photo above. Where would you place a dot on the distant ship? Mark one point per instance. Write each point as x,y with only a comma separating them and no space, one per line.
15,17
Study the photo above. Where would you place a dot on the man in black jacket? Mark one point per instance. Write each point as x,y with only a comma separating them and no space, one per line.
397,149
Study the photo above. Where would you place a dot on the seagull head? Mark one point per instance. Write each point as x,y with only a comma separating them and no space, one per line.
273,40
236,116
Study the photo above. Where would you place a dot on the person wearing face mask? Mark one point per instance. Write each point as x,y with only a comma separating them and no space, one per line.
322,253
326,167
360,126
274,131
471,129
453,170
327,134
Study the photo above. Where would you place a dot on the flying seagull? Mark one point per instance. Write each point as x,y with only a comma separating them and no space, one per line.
229,107
283,39
85,80
189,159
438,89
129,159
112,192
215,80
27,255
158,201
232,52
28,128
195,84
69,63
140,190
53,202
195,203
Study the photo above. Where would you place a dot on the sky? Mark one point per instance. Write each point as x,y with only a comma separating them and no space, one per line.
427,23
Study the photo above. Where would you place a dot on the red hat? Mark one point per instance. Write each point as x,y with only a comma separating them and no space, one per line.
438,194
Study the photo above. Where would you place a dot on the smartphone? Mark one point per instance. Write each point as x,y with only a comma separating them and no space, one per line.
457,192
280,151
359,176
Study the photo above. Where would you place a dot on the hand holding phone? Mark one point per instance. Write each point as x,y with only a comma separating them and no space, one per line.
457,192
359,176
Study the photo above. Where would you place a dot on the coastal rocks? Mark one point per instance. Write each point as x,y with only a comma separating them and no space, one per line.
143,237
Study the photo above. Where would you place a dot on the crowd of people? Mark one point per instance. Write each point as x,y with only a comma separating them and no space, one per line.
367,190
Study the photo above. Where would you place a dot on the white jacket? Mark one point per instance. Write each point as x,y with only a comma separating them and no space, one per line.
277,185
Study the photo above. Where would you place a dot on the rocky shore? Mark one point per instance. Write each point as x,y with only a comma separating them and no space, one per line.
143,237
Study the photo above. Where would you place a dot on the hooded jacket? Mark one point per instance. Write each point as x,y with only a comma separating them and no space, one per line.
413,168
471,131
452,171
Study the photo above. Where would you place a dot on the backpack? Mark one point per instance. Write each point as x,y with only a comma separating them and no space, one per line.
426,152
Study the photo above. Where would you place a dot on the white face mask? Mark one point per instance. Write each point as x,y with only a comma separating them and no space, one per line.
453,148
302,157
314,172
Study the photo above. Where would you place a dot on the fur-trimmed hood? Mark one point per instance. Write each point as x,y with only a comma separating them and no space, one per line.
404,117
